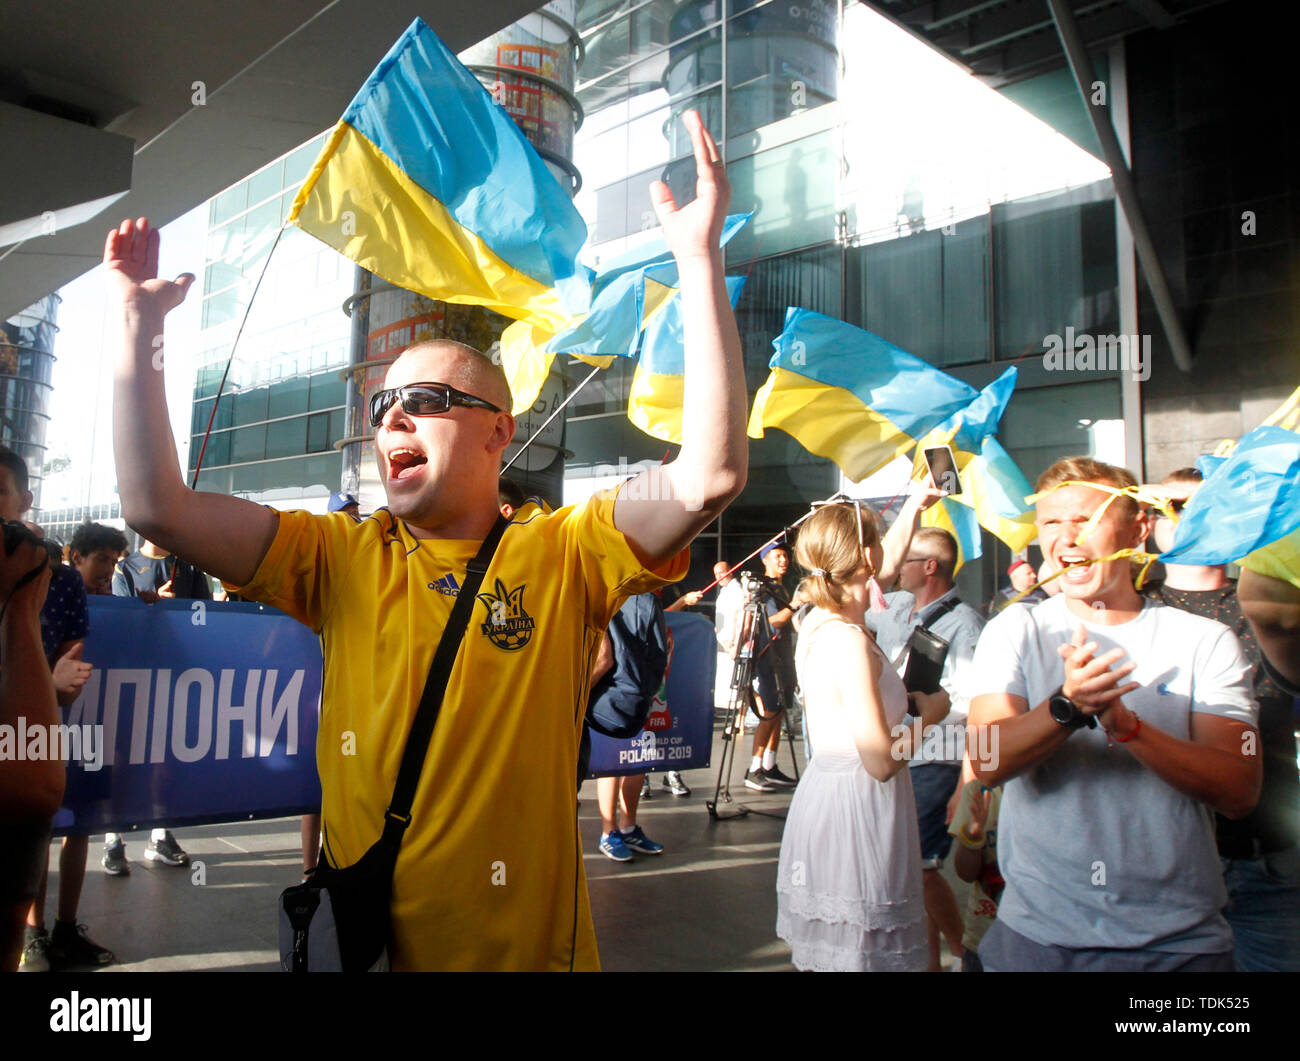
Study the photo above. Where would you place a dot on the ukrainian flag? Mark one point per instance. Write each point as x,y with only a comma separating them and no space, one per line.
850,396
429,184
1249,501
627,294
993,489
654,403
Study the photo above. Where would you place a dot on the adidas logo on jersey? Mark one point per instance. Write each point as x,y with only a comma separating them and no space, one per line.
447,585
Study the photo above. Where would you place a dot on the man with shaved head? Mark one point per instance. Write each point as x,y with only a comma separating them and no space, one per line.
489,874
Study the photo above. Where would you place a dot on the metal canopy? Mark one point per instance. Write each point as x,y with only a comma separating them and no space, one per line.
1004,41
273,76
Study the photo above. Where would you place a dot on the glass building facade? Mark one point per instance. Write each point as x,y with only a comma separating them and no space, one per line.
873,203
282,409
26,361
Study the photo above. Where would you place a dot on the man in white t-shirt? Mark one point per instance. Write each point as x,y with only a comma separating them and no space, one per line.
1117,726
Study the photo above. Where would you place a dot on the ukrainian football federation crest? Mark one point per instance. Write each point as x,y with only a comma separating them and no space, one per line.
508,626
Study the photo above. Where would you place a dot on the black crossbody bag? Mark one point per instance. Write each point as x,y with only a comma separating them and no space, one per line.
926,654
338,920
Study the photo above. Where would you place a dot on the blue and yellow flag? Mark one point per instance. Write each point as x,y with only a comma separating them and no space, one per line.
429,184
850,396
1249,501
654,402
993,489
627,293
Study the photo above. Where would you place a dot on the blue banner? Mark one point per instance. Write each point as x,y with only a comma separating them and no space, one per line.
679,733
195,712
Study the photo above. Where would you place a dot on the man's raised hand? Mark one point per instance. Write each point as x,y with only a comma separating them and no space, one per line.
131,262
693,230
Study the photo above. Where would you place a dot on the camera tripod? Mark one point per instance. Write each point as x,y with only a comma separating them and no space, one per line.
754,628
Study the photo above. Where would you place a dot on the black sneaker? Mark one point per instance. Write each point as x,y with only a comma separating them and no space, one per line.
674,783
71,946
645,788
114,860
167,851
777,778
36,952
757,779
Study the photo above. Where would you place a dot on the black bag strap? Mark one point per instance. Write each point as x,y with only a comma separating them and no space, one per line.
940,612
398,815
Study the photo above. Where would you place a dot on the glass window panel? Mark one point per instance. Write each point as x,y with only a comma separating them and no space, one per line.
926,293
286,438
248,444
788,189
228,204
288,397
781,60
297,165
318,432
322,473
221,308
249,479
199,413
1043,424
327,390
218,451
217,480
337,420
593,12
263,185
811,279
1053,269
250,406
219,275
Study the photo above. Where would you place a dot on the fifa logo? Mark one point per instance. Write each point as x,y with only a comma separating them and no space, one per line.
508,626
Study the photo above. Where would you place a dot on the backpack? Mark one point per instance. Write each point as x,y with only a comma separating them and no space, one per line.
620,702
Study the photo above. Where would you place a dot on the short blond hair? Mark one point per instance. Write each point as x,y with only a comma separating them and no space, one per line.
1087,470
827,548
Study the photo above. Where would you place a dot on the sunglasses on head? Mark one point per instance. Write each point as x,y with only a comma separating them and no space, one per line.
423,399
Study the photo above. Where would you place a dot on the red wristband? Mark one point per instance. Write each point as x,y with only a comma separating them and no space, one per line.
1137,728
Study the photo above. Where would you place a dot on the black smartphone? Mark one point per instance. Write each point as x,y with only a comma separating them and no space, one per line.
943,469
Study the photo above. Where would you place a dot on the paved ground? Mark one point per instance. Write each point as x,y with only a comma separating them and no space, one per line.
707,903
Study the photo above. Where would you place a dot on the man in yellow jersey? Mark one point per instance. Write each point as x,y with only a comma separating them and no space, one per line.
490,870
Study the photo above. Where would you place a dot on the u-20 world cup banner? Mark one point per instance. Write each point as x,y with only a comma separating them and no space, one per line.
679,733
195,712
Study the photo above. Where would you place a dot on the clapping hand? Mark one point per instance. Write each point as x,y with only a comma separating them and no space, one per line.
1090,682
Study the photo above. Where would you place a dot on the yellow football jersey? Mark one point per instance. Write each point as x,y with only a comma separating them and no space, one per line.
490,870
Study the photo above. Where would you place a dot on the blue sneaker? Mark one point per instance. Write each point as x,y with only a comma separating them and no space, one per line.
612,846
638,841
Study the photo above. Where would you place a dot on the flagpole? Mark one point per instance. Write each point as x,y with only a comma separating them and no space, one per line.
839,496
553,415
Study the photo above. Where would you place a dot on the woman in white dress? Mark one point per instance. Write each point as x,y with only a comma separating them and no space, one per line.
849,877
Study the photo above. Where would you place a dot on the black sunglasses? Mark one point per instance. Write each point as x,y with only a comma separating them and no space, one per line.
423,399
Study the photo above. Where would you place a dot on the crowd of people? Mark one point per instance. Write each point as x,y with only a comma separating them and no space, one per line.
1117,768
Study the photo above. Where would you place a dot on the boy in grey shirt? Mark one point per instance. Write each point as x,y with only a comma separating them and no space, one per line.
1120,726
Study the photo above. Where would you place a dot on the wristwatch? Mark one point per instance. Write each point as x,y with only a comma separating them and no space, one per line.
1067,713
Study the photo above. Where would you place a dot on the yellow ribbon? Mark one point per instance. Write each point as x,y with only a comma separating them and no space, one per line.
1142,497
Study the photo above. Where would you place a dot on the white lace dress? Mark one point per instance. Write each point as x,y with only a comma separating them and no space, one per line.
848,884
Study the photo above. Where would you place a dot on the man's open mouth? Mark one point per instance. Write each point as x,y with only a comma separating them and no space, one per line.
403,464
1078,567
